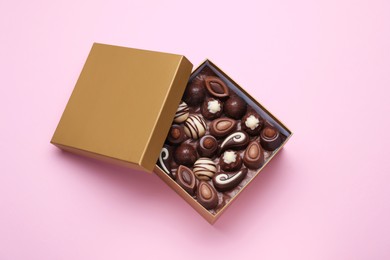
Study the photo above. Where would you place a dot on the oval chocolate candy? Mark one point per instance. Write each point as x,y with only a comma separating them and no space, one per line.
224,182
253,156
186,179
216,87
222,126
206,195
204,168
235,141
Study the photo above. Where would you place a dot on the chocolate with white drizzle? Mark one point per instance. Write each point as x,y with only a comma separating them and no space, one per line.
204,168
195,126
237,140
182,113
224,181
165,159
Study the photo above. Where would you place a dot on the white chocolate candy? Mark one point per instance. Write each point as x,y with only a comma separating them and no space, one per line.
252,122
204,168
182,113
214,106
195,126
229,157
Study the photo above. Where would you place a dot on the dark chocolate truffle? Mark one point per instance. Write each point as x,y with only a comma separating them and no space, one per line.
270,138
216,87
254,155
185,154
195,92
235,141
211,108
222,126
230,161
207,195
176,134
224,181
235,107
186,179
207,146
252,123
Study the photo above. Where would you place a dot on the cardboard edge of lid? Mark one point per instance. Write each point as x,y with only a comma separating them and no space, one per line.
167,112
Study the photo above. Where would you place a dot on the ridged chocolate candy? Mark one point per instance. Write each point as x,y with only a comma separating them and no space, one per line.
211,108
207,146
254,155
224,181
270,138
195,126
182,113
185,154
206,195
222,126
235,107
204,168
230,161
186,179
235,141
216,87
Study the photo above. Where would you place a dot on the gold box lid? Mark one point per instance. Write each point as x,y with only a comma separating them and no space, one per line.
123,105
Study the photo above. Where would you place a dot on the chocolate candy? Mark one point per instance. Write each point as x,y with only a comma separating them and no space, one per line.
230,161
207,195
165,159
195,92
222,126
236,140
235,107
225,182
252,123
207,146
270,138
186,179
195,126
176,134
185,154
216,87
204,168
211,108
253,156
182,113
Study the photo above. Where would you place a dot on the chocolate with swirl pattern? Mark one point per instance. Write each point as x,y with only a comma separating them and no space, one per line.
224,181
237,140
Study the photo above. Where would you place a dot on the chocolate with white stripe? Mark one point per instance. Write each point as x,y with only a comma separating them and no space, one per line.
182,113
204,168
226,181
235,141
195,126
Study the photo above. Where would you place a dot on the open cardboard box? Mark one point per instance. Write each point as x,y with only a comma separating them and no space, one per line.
122,107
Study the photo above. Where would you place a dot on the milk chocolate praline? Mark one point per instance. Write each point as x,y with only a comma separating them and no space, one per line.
186,179
270,138
206,195
195,92
176,134
254,155
235,107
230,161
185,154
211,108
207,146
216,87
222,126
252,123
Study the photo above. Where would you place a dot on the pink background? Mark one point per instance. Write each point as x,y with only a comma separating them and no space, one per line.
322,67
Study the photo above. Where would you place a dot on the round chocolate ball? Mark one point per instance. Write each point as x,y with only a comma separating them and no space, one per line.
270,138
235,107
207,146
230,161
195,92
185,154
211,108
252,123
176,134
